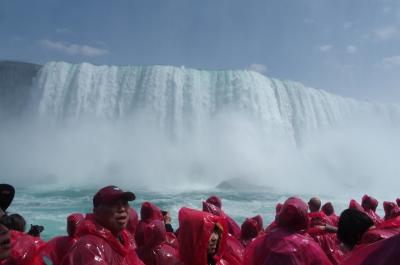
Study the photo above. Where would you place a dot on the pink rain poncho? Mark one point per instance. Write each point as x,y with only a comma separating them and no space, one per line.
133,221
25,250
386,229
328,209
388,207
233,227
287,244
56,248
370,204
273,224
195,229
250,229
96,245
156,249
355,205
215,200
384,252
148,213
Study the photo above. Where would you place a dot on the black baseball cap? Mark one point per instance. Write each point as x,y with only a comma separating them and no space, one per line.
7,193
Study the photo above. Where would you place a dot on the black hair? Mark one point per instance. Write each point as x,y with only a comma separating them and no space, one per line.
352,225
13,222
164,213
18,222
218,229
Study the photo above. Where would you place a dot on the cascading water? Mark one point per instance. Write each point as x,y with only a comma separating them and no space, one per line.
164,126
182,100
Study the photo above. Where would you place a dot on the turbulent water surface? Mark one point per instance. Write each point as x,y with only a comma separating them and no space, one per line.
50,208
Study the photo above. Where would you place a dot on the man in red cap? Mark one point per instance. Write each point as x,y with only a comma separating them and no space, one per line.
103,239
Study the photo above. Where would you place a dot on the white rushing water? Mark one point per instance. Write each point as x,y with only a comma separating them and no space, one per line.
164,126
184,100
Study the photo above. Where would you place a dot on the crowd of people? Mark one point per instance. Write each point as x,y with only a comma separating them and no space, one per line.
113,234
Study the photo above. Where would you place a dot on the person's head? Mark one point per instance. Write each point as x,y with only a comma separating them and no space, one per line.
6,197
149,212
293,215
355,205
369,203
352,225
215,200
395,212
249,229
314,204
387,207
73,220
17,222
328,209
166,217
110,208
213,242
278,208
259,221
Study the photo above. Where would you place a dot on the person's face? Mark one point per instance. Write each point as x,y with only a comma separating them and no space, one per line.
113,216
167,218
213,243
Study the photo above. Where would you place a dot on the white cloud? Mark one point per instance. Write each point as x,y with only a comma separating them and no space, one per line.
351,49
257,68
390,62
73,49
325,48
386,33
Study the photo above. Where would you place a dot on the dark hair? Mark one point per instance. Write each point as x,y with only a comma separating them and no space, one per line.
17,222
13,222
352,225
164,213
218,229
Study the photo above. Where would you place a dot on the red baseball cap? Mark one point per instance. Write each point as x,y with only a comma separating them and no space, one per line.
111,194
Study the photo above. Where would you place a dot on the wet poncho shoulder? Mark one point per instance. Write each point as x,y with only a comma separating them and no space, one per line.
98,246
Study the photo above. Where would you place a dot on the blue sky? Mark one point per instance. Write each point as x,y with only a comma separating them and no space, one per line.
348,47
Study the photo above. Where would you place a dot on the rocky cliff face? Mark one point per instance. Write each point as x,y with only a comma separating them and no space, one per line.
16,80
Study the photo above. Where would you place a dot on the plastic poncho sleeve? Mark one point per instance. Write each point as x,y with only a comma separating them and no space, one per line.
25,250
384,252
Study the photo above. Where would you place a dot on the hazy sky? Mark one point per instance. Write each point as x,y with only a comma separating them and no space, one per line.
349,47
